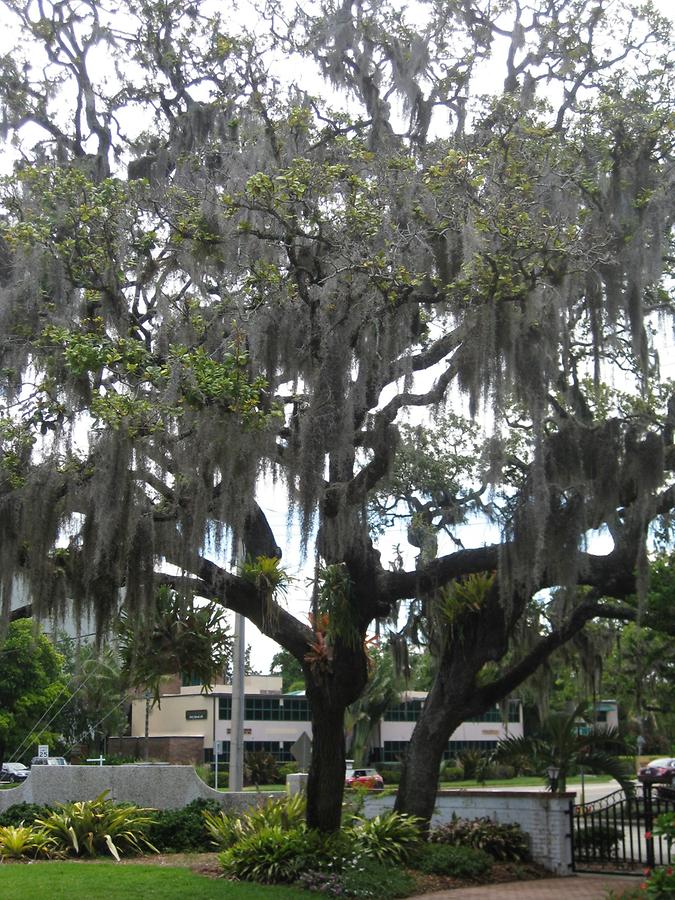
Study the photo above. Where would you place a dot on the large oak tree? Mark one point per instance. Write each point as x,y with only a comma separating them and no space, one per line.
244,247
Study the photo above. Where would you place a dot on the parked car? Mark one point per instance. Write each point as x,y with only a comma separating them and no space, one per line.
48,761
14,771
660,771
368,778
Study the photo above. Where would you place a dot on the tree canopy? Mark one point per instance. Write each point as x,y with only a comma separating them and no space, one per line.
214,270
33,692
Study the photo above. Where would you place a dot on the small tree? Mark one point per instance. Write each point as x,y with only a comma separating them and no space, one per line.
33,691
565,746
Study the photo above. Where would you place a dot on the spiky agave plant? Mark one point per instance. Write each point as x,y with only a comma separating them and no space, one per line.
92,827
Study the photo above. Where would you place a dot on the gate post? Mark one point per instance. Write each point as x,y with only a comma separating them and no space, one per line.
649,822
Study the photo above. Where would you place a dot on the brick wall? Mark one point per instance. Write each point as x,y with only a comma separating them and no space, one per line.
176,749
545,817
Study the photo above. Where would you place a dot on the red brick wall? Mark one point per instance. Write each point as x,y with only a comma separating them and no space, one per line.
171,748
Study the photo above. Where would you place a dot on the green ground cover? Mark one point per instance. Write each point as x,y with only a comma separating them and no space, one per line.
82,881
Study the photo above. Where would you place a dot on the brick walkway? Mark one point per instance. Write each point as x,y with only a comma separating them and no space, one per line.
576,887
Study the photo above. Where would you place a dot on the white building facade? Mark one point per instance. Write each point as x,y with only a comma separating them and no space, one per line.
273,721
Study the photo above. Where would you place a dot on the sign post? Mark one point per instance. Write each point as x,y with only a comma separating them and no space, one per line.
43,751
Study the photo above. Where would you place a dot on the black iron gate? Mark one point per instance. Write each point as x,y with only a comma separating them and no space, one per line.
614,833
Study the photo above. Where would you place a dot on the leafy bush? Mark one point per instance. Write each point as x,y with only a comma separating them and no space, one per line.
225,829
25,841
390,837
23,813
597,839
500,840
90,827
272,854
458,862
182,830
372,879
473,763
452,773
260,768
288,768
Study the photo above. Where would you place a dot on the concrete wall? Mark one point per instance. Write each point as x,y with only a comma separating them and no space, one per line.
158,787
543,816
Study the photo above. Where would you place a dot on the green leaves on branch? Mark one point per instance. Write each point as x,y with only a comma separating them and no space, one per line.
205,379
176,636
335,607
267,574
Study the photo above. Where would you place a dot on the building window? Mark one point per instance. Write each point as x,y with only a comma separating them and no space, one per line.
268,709
280,750
404,712
188,679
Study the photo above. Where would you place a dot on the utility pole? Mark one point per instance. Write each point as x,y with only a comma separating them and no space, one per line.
236,782
237,722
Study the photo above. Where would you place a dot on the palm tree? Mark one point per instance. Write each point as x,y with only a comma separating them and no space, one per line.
563,746
382,691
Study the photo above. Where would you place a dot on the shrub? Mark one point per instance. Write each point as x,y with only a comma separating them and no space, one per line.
260,768
501,841
390,837
458,862
392,775
182,830
288,768
597,839
23,813
372,879
225,829
452,773
24,841
90,827
272,855
473,763
118,759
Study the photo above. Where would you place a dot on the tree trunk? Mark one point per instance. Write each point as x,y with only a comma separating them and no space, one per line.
330,690
444,710
475,639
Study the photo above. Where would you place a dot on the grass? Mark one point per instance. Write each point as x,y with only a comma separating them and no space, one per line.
520,781
82,881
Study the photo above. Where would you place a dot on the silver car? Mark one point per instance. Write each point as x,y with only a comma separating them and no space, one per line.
14,771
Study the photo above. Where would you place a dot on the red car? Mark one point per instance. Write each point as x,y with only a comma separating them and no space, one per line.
367,778
660,770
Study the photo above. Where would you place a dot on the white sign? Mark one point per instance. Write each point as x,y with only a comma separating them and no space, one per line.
43,750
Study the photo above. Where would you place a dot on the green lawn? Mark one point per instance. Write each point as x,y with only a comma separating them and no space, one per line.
521,781
82,881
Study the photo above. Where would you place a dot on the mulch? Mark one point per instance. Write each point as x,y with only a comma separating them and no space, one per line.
501,873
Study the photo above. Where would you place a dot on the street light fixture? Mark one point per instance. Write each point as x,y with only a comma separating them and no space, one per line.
553,775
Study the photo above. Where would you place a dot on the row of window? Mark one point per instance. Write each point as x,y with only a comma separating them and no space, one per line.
410,712
268,709
296,709
392,751
280,750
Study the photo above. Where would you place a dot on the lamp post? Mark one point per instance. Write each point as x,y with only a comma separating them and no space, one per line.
148,696
553,773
